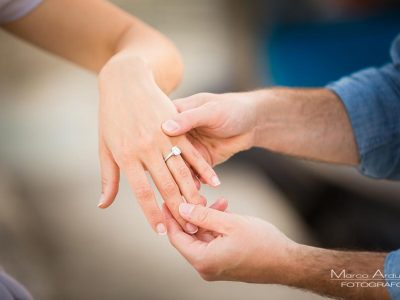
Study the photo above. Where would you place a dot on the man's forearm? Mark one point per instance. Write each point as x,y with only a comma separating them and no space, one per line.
306,123
338,274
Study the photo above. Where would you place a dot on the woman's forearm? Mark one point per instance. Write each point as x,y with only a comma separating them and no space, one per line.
306,123
91,32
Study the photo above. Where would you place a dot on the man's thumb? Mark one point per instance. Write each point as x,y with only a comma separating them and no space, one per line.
173,128
187,120
206,217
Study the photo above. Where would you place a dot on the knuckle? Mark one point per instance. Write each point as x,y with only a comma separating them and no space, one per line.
211,106
196,155
194,196
184,172
146,144
126,150
125,155
144,192
203,95
154,216
106,181
169,188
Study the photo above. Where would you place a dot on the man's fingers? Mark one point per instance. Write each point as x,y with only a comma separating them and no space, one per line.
183,242
189,119
109,179
205,235
145,196
206,217
191,102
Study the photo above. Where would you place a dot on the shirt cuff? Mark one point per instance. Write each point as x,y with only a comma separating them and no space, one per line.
371,102
392,274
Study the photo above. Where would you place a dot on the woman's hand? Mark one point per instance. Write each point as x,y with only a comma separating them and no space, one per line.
217,125
132,107
235,247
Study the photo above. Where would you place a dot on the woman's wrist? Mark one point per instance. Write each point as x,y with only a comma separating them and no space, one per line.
126,69
159,55
127,63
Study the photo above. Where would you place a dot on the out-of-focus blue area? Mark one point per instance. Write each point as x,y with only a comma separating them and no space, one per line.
314,54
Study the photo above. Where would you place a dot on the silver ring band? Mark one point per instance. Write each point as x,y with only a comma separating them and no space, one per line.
175,151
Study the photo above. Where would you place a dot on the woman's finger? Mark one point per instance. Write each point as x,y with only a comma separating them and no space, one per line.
186,244
141,188
194,176
221,204
169,190
183,177
109,178
193,157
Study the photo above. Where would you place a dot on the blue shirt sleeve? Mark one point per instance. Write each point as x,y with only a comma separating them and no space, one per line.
392,273
372,100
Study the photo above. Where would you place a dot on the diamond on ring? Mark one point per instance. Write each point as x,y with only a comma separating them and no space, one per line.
175,151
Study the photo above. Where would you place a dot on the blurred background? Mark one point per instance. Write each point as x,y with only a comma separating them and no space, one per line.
53,238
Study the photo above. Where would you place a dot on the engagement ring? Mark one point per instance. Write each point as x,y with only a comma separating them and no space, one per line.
175,151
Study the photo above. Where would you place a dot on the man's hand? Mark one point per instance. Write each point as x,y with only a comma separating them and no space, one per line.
217,125
306,123
242,248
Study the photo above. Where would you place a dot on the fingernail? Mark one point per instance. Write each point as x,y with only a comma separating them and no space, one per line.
170,126
101,201
185,209
161,230
190,228
215,180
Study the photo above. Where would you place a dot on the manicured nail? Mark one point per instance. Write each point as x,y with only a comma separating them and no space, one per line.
185,209
170,126
190,228
101,201
161,230
215,180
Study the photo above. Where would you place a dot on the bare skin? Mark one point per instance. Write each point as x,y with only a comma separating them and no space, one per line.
305,123
248,249
137,68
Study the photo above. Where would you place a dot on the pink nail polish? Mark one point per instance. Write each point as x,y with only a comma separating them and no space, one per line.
215,180
101,201
160,228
